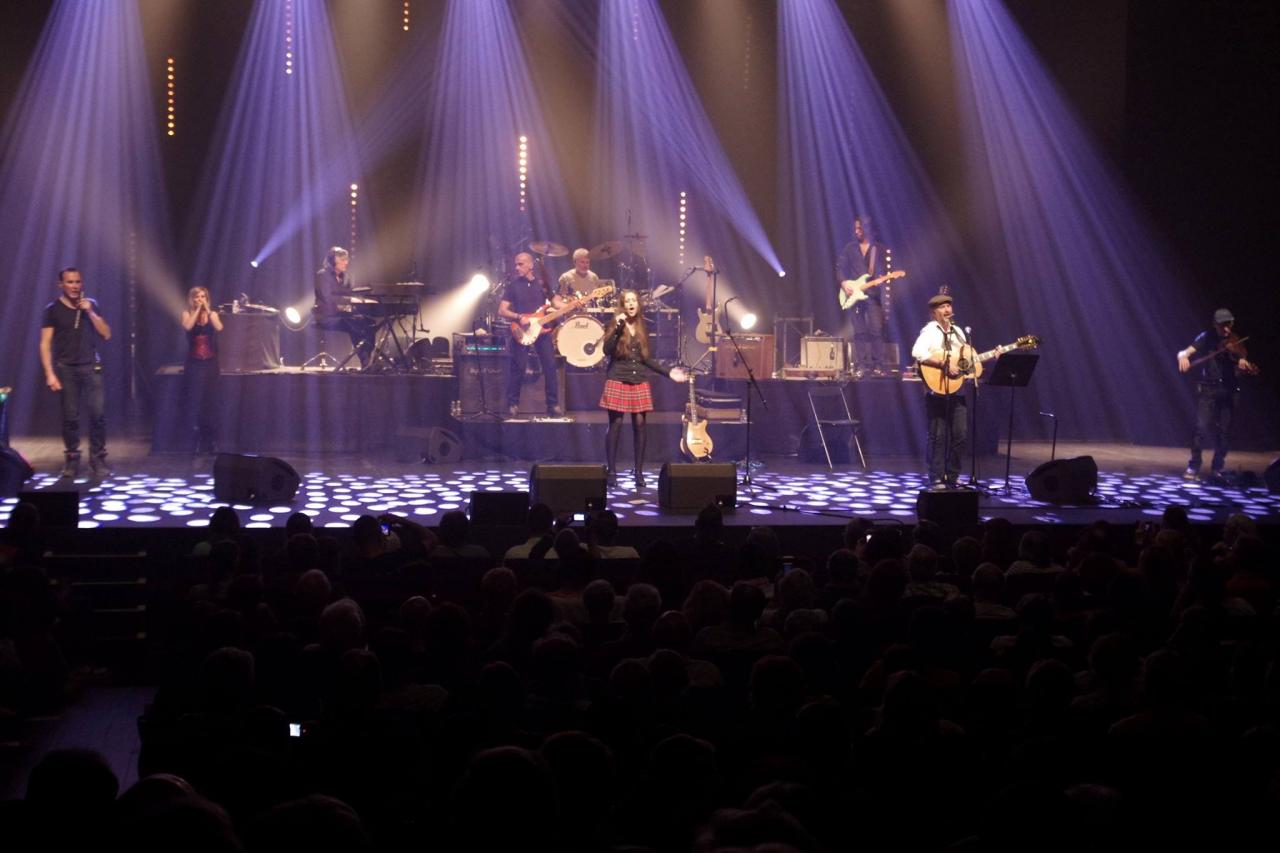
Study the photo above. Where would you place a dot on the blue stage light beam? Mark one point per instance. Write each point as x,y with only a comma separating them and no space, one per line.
284,151
80,185
844,153
480,101
1081,264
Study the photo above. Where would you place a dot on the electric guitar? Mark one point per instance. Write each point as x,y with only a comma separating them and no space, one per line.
969,365
694,441
707,316
543,320
854,290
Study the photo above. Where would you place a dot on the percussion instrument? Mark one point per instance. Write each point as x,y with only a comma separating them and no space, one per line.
580,339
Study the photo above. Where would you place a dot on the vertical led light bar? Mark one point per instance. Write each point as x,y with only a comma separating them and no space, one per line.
684,222
171,126
522,167
404,18
355,204
288,37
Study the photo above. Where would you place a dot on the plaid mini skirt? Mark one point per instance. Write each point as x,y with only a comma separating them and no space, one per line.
621,397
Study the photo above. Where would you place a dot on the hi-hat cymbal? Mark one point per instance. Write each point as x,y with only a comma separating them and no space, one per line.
551,250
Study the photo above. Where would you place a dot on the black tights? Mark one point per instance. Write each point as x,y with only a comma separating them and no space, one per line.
615,432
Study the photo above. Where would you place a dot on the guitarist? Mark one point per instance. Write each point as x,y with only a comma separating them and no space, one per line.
522,295
626,390
863,255
939,345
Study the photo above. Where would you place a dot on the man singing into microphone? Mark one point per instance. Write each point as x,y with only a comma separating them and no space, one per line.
939,345
69,335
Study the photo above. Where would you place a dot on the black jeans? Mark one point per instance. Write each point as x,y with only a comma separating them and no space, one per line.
202,400
938,408
1214,409
82,388
868,335
545,349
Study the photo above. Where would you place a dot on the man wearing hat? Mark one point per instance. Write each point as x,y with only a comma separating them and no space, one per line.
938,345
1216,391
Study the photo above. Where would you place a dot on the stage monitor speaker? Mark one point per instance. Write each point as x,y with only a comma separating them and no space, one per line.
1272,475
14,471
691,486
568,488
442,447
242,478
57,508
509,508
953,510
757,350
1064,481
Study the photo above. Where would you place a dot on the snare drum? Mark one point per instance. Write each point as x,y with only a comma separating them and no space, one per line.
580,339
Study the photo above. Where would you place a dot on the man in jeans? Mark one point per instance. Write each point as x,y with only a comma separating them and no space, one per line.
69,335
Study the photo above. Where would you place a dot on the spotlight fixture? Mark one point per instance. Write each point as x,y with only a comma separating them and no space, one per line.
782,273
295,317
478,284
255,263
747,321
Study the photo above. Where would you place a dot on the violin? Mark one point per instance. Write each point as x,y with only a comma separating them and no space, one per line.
1233,344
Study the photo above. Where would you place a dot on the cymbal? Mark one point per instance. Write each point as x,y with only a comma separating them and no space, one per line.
607,250
551,250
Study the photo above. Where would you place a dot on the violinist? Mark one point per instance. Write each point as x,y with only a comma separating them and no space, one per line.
1222,358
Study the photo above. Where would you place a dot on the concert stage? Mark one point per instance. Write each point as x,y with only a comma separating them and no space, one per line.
810,502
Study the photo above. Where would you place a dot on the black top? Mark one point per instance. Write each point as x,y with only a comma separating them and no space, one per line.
1219,371
329,289
73,342
202,342
627,363
852,263
524,295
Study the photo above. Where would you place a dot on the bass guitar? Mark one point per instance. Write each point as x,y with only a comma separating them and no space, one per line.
854,290
969,365
543,320
694,441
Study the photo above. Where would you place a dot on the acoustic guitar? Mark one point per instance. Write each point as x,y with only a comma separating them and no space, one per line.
544,319
969,365
694,441
854,290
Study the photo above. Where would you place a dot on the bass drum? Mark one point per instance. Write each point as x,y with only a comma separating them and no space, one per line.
580,340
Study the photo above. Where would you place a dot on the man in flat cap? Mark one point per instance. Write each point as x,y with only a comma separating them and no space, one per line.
939,345
1216,391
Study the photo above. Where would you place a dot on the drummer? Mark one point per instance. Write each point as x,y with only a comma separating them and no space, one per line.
578,281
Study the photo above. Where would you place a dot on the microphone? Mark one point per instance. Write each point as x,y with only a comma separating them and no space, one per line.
79,311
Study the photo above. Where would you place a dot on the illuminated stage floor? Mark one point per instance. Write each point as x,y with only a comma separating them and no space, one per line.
177,491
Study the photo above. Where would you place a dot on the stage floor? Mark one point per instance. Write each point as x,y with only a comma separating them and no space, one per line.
172,490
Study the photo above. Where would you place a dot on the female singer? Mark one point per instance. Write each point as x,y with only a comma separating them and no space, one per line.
626,389
202,325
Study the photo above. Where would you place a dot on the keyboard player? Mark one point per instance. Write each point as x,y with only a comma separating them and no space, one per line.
332,310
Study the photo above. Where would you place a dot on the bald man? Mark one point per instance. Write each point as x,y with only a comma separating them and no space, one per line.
523,294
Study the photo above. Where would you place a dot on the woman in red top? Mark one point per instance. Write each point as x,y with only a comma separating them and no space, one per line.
202,325
626,390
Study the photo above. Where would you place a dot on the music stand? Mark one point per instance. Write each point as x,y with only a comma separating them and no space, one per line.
1012,370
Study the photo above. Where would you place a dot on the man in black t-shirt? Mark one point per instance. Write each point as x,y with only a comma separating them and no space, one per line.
524,295
1216,391
69,335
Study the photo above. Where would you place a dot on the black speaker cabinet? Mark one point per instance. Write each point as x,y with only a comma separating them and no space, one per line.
241,478
568,488
1272,476
14,471
482,383
953,510
1064,481
499,508
57,508
693,485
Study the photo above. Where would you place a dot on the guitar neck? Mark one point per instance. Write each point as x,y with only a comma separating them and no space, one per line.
992,353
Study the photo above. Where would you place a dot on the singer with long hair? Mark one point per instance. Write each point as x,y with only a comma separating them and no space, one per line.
69,334
200,371
626,390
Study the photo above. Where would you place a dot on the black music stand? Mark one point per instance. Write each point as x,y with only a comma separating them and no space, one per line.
1012,370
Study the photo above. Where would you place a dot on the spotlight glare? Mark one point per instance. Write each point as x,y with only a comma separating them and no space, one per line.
479,283
291,314
748,321
782,273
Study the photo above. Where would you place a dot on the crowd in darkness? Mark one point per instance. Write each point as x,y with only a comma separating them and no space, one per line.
403,688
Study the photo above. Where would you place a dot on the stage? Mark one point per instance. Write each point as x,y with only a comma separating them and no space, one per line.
171,490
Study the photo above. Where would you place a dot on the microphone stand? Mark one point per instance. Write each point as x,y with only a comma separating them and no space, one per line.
752,384
973,424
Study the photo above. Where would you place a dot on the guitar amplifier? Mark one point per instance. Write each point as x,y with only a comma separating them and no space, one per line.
756,349
822,352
